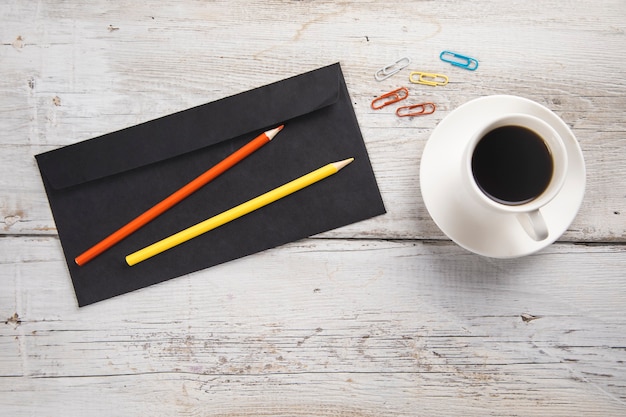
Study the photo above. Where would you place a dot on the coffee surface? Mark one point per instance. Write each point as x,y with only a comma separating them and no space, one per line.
512,165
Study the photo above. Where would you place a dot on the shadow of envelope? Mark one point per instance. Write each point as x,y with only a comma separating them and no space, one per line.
98,185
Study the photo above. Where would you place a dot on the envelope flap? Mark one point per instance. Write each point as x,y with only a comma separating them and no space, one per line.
195,128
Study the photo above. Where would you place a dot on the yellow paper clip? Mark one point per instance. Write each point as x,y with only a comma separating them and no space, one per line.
416,109
428,78
390,98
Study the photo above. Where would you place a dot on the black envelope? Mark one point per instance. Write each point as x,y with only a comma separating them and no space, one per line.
98,185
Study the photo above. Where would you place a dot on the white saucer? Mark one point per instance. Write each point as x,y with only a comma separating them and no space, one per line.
470,225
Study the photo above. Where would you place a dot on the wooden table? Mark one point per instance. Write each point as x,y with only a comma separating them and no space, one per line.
386,317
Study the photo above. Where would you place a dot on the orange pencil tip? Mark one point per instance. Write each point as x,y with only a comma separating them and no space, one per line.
273,132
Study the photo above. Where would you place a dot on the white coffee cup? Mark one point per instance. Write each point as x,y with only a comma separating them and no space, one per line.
516,164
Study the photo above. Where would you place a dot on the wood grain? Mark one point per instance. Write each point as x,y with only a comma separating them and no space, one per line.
411,323
114,78
384,317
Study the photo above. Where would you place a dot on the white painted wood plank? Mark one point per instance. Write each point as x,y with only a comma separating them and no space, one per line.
325,395
25,210
410,321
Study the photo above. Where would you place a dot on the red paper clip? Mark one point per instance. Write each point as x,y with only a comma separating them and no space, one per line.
390,98
426,108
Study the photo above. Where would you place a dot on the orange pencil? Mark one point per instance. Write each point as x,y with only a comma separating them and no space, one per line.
177,196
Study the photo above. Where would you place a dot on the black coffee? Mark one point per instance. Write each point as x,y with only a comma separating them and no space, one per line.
512,165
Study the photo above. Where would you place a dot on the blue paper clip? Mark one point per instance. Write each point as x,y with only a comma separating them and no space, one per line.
459,60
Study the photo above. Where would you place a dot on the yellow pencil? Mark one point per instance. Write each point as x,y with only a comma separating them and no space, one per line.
236,212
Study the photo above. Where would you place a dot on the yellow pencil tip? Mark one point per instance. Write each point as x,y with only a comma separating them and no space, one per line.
341,164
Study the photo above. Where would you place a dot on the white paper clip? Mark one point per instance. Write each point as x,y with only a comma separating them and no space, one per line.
389,70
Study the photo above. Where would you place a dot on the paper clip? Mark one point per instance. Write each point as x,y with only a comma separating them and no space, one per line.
390,98
459,60
389,70
423,108
428,78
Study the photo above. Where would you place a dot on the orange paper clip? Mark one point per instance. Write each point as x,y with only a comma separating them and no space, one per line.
421,109
390,98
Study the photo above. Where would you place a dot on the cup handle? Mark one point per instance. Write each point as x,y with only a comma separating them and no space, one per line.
534,224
